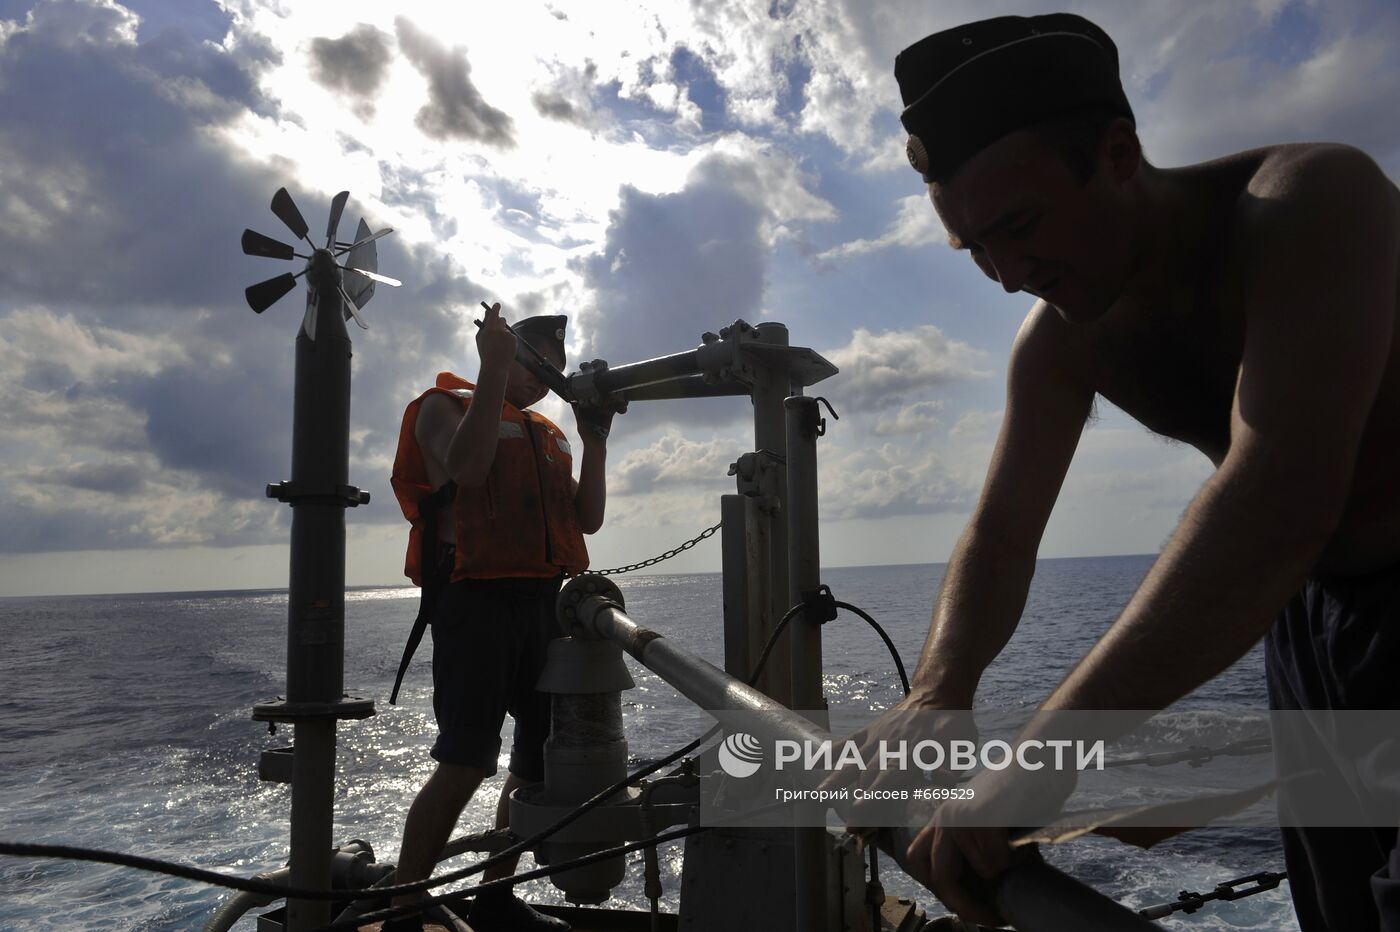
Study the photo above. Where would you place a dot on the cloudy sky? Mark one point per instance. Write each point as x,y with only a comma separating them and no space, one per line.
653,169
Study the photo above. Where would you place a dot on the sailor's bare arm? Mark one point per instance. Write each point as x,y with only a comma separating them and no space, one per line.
472,449
590,496
989,573
1320,298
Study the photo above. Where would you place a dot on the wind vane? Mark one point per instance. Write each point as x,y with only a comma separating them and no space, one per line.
362,254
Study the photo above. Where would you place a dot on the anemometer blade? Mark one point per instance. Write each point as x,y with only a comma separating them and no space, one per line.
337,207
287,212
360,241
255,244
365,256
264,294
375,276
351,310
308,323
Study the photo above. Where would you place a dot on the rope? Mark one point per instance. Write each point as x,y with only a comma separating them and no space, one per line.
619,570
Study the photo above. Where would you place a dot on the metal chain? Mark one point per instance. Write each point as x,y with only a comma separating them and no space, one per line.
617,570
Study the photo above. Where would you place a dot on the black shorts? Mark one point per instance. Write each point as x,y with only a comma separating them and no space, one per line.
490,637
1336,645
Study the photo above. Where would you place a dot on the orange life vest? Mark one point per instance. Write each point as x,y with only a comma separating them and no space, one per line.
521,521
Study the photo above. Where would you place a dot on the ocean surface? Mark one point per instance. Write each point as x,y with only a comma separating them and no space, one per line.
125,724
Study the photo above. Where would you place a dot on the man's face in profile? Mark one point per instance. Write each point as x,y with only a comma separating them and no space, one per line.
1032,226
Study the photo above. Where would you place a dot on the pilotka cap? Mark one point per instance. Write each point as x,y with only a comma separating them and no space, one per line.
545,332
965,88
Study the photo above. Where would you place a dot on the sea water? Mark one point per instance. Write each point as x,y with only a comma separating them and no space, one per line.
125,724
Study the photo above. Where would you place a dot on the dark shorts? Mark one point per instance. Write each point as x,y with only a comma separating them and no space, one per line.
1336,645
490,637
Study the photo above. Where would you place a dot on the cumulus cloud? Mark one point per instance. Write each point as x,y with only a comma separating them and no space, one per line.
354,64
455,108
977,424
893,479
915,224
673,461
917,418
879,370
129,365
676,264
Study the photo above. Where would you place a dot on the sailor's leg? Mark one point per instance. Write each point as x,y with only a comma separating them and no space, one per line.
431,819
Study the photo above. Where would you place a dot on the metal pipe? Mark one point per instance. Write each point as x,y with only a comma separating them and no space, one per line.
805,642
313,792
758,522
698,680
320,466
690,386
804,555
770,434
316,589
1033,895
233,908
647,372
734,533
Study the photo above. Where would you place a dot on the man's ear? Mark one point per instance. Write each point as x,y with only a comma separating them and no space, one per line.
1122,150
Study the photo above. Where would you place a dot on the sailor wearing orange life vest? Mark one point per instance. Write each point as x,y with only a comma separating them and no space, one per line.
517,523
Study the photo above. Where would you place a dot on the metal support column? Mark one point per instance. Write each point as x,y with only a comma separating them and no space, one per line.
770,434
734,534
805,641
319,493
316,595
804,555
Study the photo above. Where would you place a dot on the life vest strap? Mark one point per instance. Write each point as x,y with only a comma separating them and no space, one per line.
429,508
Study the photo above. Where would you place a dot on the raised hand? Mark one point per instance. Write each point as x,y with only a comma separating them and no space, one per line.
495,342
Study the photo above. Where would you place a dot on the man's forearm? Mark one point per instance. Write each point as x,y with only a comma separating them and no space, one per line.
1236,558
473,447
978,607
591,497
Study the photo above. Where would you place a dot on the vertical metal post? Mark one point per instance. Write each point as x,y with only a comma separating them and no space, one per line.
770,434
804,555
313,798
738,661
805,640
316,591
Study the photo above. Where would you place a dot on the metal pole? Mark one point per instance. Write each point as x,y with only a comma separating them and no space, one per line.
770,434
700,681
316,590
738,662
805,641
804,555
1035,896
648,371
758,521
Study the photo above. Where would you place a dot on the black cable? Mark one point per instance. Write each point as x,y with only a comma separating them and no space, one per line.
791,613
414,908
889,644
410,909
276,890
121,859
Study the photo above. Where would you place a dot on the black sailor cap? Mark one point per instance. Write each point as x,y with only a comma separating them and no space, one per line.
966,87
545,332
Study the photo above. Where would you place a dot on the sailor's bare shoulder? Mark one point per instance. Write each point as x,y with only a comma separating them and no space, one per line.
1049,348
1311,183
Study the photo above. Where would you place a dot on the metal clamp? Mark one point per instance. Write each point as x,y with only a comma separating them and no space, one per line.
300,493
